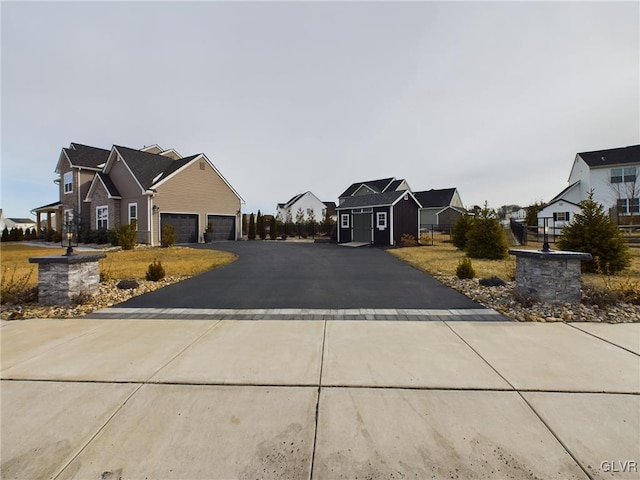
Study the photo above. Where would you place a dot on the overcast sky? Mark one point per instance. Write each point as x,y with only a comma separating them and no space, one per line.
493,98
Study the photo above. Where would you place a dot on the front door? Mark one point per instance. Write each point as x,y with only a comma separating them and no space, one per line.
362,223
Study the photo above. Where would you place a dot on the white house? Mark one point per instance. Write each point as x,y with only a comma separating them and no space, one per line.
306,202
612,176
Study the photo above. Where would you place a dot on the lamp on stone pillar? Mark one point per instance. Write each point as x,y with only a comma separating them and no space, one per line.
69,237
545,245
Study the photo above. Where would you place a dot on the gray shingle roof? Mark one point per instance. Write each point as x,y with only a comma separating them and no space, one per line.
613,156
435,198
147,167
371,200
375,185
109,185
86,156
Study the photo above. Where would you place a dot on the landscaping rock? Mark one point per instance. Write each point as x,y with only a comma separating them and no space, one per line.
127,284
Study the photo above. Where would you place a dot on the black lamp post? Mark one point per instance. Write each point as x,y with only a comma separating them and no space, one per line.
69,237
545,245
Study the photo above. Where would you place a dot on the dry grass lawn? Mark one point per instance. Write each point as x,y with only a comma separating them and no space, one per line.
443,259
177,261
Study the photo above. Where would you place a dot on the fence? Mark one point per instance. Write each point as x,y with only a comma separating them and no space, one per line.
430,234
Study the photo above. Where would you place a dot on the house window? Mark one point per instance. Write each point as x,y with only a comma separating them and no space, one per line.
561,217
68,182
102,217
133,212
623,175
344,220
381,220
68,216
628,206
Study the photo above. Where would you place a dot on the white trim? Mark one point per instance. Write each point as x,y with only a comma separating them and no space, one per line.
110,163
129,213
97,217
233,215
65,183
381,220
391,239
198,226
342,218
88,198
150,219
354,194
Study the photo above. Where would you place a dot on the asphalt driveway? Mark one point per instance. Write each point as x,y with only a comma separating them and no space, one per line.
278,275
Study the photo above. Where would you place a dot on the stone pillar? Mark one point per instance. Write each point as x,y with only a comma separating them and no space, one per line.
549,277
62,277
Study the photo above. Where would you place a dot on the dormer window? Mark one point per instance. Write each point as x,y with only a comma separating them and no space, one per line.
623,175
68,182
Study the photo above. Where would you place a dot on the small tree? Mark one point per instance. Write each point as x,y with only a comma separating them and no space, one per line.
327,222
311,223
252,227
262,230
299,221
273,231
245,224
593,231
532,213
460,230
5,234
287,222
486,238
169,237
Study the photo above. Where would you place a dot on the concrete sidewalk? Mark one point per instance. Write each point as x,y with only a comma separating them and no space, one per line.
321,399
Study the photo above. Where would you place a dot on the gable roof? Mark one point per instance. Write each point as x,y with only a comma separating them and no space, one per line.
613,156
562,193
383,199
377,186
435,198
150,168
83,156
293,200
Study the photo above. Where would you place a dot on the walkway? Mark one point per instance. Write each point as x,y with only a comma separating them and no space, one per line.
318,399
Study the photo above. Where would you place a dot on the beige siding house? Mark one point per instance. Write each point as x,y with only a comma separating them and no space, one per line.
103,189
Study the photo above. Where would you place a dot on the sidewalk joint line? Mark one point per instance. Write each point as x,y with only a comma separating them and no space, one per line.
98,431
548,427
479,355
315,433
603,339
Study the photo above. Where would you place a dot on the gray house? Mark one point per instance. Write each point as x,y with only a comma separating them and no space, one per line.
439,207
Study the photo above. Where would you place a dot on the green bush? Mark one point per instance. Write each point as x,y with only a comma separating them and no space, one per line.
460,230
486,238
465,269
155,271
126,236
592,231
169,237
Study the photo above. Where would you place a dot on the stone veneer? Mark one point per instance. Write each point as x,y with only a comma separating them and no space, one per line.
549,277
62,277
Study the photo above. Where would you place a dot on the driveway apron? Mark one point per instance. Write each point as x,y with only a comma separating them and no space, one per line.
276,275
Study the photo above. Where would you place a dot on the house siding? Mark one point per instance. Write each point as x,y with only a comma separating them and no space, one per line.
405,219
197,191
74,201
344,233
382,237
